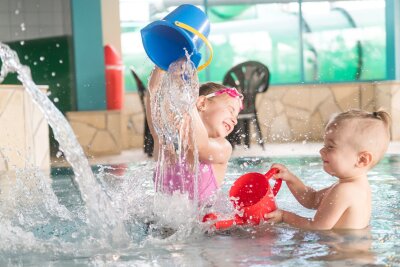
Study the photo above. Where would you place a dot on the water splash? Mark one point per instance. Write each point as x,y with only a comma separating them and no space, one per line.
172,106
101,215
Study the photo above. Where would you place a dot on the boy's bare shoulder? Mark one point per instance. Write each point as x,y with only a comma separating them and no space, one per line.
347,190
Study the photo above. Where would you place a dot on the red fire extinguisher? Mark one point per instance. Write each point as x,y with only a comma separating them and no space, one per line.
114,78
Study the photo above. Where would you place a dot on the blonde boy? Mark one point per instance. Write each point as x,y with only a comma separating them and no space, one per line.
354,142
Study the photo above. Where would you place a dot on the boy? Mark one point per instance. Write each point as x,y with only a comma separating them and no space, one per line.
354,142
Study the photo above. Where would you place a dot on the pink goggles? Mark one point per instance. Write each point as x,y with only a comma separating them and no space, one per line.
232,92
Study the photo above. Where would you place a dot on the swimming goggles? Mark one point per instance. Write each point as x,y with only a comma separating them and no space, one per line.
232,92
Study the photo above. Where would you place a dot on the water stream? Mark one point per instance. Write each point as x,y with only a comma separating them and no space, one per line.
111,209
109,215
101,216
172,105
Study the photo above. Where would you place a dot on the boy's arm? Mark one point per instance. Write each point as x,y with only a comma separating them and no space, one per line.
305,195
328,214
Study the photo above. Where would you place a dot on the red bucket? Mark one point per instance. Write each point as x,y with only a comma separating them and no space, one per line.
252,196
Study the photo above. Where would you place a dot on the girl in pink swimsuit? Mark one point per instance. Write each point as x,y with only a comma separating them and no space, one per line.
214,117
207,183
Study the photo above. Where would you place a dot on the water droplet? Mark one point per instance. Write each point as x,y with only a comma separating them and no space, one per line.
57,45
26,57
56,100
48,93
35,63
16,12
61,61
23,27
58,85
53,74
59,154
41,58
115,257
22,42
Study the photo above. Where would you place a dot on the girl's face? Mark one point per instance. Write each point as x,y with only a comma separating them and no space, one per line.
339,154
219,115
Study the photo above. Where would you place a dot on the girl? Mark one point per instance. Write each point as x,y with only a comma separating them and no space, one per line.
214,117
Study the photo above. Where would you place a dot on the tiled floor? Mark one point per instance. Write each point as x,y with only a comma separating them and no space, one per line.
287,149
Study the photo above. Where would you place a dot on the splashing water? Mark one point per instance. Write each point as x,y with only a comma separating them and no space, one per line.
101,216
277,245
107,213
172,105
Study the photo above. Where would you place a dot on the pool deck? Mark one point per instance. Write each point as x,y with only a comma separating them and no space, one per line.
271,150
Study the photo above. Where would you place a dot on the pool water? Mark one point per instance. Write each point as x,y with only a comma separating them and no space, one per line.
53,238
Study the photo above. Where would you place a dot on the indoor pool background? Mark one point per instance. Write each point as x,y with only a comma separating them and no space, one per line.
59,243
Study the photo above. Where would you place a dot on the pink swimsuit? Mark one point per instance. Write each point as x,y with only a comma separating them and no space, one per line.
207,183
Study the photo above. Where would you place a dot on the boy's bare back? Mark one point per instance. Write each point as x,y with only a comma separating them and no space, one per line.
346,205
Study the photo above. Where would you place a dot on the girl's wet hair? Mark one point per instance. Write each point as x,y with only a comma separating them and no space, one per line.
211,87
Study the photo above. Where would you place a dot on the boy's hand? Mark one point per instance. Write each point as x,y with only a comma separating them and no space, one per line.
275,216
283,173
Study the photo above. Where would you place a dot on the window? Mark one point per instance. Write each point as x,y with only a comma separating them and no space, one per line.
335,41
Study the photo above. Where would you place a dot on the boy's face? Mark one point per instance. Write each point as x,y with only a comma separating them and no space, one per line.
339,154
220,115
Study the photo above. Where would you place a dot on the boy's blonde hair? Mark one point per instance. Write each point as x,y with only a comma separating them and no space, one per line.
371,130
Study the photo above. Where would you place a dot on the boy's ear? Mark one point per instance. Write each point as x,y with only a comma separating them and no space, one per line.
364,159
201,103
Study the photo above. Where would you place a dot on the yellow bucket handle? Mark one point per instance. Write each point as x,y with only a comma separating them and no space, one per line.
202,37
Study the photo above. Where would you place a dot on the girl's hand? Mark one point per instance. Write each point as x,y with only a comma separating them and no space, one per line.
275,216
155,79
283,173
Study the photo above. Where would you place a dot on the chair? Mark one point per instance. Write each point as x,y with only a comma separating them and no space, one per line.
148,138
251,78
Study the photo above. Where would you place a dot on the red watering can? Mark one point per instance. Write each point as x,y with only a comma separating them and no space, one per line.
252,197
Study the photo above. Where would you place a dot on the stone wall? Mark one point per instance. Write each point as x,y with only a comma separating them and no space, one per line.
98,132
132,122
292,113
300,112
296,113
109,132
24,133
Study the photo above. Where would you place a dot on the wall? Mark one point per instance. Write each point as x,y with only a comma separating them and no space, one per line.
33,19
24,134
88,55
40,32
300,112
51,63
295,113
111,24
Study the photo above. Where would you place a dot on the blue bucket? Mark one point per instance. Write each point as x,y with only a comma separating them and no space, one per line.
185,27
